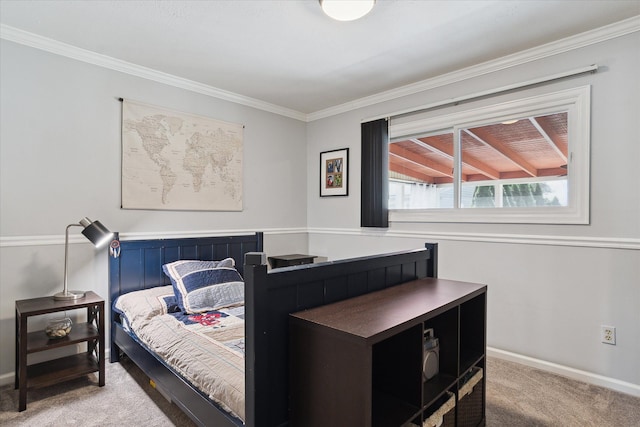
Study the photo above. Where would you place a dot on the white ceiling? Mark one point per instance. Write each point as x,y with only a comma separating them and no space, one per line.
289,54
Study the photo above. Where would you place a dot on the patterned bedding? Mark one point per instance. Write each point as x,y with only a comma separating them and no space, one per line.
207,349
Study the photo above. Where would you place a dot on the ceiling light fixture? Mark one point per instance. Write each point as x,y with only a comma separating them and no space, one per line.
346,10
510,122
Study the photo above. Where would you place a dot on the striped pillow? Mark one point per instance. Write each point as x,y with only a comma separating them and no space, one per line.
202,286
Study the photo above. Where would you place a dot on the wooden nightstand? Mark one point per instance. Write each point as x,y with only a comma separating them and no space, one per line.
289,260
65,368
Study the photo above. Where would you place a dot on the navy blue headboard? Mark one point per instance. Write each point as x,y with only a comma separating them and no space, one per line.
139,265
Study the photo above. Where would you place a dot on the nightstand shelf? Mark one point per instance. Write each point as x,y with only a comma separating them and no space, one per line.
38,341
65,368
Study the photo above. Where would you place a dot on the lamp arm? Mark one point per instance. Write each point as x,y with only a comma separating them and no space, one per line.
66,255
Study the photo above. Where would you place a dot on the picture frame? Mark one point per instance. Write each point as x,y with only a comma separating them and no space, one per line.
334,173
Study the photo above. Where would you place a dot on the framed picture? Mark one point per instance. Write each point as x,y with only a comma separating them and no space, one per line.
334,173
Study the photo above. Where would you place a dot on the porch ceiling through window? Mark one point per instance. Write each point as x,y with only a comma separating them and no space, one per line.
530,147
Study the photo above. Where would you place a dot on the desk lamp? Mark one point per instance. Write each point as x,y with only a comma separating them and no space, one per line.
98,234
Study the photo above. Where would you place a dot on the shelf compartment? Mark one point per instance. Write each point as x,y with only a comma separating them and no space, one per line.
472,331
442,412
471,398
436,387
388,410
445,329
81,332
65,368
397,363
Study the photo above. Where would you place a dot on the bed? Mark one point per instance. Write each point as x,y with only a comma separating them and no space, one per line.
269,298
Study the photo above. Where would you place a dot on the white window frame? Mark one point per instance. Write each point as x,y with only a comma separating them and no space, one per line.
576,102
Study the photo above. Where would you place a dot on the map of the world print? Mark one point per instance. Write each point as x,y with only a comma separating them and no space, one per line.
179,161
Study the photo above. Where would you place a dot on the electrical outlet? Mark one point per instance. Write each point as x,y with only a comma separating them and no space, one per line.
608,334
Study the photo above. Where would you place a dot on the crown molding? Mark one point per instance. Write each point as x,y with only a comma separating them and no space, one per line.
53,46
588,38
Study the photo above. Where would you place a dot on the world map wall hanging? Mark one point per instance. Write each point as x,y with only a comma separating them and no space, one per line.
179,161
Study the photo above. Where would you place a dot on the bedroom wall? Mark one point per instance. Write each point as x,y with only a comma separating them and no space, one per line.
550,286
60,161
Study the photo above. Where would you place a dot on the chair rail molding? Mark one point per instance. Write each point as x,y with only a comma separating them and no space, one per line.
15,241
531,239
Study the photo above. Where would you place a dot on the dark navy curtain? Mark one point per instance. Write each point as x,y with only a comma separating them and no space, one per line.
374,207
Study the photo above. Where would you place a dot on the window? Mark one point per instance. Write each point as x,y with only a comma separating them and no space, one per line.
524,161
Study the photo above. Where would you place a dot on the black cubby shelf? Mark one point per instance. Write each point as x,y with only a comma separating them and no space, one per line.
359,361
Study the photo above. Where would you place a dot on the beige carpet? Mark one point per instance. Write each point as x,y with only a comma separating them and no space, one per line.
516,396
127,399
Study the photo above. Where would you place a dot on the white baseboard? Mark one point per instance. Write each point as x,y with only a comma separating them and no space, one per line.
6,379
576,374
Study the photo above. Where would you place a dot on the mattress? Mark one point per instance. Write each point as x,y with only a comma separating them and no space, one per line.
206,349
